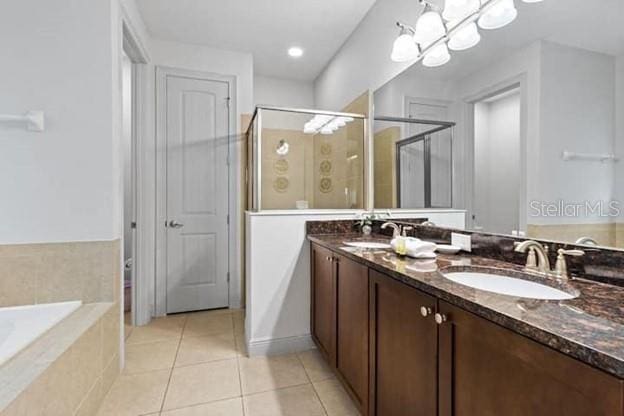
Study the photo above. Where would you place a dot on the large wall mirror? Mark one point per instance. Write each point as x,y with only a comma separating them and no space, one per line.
525,130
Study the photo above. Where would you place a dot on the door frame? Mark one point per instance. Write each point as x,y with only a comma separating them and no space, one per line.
160,293
520,82
134,48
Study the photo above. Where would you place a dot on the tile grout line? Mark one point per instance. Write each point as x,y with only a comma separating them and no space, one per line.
162,404
313,386
240,375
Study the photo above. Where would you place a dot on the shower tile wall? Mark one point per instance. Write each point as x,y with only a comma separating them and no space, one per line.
385,177
296,169
57,272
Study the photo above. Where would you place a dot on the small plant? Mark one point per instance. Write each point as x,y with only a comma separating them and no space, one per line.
367,218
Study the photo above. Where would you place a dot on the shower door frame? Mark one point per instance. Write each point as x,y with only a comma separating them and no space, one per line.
254,169
426,137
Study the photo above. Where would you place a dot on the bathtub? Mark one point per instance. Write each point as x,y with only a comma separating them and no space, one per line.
21,325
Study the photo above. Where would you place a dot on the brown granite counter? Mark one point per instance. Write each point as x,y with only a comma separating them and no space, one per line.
589,328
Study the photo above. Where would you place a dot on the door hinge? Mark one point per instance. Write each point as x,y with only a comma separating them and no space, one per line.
133,225
227,102
228,277
228,219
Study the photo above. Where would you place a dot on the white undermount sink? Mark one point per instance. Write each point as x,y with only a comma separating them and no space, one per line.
506,285
367,244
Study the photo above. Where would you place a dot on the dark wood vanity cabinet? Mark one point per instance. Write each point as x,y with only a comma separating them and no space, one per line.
401,352
323,305
403,347
340,319
488,370
352,328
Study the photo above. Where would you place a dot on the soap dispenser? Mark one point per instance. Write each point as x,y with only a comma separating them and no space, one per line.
401,244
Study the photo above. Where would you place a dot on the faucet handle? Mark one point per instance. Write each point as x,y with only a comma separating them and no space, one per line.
575,252
561,267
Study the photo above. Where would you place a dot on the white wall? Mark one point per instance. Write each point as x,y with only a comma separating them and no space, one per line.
278,275
619,133
58,185
523,65
211,60
283,92
363,62
577,114
390,99
280,92
497,164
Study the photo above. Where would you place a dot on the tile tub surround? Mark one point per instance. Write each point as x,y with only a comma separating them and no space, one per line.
68,370
589,328
58,272
21,325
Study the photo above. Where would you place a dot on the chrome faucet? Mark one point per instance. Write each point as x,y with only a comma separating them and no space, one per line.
587,241
396,230
542,265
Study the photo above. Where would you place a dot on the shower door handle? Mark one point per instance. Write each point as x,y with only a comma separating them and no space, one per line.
175,224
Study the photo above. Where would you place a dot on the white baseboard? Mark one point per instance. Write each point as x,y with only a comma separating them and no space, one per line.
277,346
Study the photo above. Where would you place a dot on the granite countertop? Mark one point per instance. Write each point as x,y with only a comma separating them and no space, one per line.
589,328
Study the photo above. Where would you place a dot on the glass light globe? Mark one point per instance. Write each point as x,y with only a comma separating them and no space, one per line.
465,38
404,48
327,130
501,14
437,56
458,9
307,129
429,28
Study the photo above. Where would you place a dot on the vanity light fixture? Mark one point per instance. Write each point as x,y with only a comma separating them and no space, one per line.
404,48
295,52
499,15
325,124
452,27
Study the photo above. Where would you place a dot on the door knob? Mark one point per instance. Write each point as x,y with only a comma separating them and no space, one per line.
425,311
440,318
175,224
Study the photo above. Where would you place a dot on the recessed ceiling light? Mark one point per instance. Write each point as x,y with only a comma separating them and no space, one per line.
295,52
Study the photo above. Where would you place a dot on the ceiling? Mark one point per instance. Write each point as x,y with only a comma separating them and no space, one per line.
264,28
597,26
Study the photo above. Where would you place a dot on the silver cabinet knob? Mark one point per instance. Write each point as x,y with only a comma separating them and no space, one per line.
175,224
440,318
425,311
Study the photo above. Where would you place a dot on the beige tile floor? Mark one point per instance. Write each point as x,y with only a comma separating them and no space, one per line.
195,365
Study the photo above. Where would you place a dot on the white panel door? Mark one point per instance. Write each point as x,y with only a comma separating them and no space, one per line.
197,131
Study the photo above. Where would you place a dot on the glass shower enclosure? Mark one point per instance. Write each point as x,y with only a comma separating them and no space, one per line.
413,163
305,159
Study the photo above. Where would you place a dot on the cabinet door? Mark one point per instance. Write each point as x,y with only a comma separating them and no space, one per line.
487,370
323,305
403,350
352,328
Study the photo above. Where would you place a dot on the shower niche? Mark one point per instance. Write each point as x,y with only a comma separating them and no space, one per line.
305,159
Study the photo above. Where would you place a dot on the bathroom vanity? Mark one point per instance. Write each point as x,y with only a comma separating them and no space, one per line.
405,340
